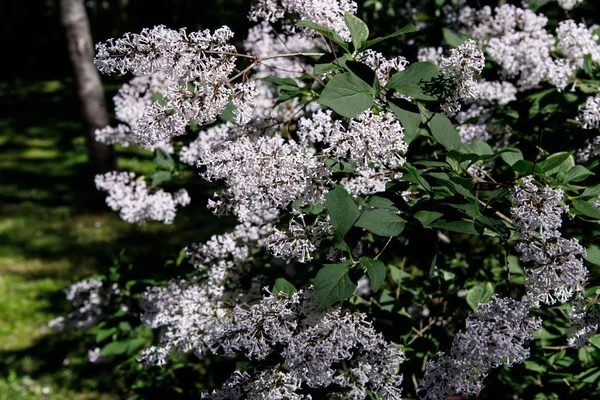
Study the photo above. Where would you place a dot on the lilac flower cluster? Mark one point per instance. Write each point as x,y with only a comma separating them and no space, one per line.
495,335
89,298
320,348
557,272
373,145
197,64
134,201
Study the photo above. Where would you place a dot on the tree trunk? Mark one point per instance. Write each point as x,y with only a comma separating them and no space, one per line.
74,18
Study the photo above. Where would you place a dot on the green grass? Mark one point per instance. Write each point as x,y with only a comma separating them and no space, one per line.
55,228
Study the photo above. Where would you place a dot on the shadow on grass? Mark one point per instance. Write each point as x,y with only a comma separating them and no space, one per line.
55,225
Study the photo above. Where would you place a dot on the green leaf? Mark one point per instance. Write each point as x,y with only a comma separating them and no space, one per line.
103,334
381,222
347,95
359,31
587,209
410,121
282,285
364,72
163,159
481,293
332,284
444,133
115,348
411,81
325,32
452,38
382,202
577,173
511,156
595,340
461,226
592,254
414,175
125,326
427,217
524,167
331,62
342,210
407,29
375,270
159,177
554,160
134,345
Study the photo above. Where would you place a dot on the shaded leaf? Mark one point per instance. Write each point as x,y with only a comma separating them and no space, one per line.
381,222
375,271
332,284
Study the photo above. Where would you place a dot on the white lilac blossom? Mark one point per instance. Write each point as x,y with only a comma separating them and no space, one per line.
496,92
589,115
430,54
300,240
89,299
319,348
569,4
576,41
583,322
517,40
327,13
134,201
265,176
382,66
473,123
263,41
273,384
198,64
186,312
495,334
557,271
373,144
131,102
463,65
590,150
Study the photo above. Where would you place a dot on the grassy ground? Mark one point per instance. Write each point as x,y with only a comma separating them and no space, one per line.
55,229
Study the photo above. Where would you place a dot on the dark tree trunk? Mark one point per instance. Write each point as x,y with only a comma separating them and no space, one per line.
89,86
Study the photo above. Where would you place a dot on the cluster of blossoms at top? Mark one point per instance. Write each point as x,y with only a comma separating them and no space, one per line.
495,335
329,348
89,299
134,201
557,272
198,65
327,13
517,40
373,144
569,4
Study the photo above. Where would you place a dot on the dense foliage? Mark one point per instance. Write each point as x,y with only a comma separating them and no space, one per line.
417,226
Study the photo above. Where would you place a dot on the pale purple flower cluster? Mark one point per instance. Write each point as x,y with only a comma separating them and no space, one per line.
198,66
557,271
583,322
327,13
320,348
382,66
463,65
373,144
89,298
131,102
300,240
187,313
569,4
265,176
134,201
517,40
495,335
